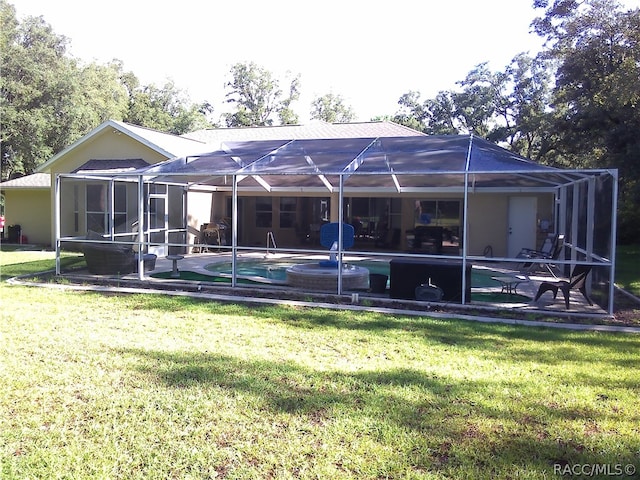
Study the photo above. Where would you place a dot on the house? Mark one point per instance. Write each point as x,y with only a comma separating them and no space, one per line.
399,193
404,193
114,147
28,208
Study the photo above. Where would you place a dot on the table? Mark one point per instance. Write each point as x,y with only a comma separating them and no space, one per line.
175,273
510,283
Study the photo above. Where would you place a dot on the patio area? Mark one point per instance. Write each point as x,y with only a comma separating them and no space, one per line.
498,288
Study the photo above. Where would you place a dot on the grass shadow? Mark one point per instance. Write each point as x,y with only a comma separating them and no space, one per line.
37,267
450,422
541,345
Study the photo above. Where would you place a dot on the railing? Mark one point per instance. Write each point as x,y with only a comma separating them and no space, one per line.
271,238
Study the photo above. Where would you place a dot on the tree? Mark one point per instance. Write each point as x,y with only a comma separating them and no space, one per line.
166,109
412,112
258,97
37,82
596,47
332,109
49,99
285,113
101,94
524,116
476,104
435,116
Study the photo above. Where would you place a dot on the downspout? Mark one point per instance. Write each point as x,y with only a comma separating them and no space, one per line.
465,233
56,220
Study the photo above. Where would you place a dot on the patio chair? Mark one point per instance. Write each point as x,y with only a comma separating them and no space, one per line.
211,234
113,259
576,282
550,250
545,249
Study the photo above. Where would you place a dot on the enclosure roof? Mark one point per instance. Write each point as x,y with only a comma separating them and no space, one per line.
394,163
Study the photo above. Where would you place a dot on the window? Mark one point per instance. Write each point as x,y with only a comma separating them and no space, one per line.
440,213
157,218
98,208
264,212
287,212
76,209
120,209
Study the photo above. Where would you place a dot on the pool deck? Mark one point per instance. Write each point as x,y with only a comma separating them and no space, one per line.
528,287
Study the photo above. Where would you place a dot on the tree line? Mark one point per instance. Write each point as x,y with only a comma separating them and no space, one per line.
575,104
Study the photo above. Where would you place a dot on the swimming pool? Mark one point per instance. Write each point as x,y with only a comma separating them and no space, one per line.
274,271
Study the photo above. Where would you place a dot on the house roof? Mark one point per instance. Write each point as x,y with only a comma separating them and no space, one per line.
111,165
33,181
209,139
392,164
164,143
314,130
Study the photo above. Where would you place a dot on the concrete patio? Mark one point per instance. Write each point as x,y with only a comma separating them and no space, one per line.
527,285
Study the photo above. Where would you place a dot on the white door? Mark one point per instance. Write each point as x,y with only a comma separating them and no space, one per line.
158,220
522,224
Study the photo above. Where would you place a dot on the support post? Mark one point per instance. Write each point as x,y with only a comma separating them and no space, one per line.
340,231
56,221
465,224
234,230
142,225
614,228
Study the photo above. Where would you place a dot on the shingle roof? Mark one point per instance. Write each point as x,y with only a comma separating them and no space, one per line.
36,180
111,165
173,145
313,130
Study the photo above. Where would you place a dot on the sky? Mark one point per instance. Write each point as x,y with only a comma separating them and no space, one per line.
368,52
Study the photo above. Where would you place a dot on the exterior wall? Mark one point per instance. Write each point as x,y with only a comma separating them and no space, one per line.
487,220
487,223
200,207
489,217
30,209
107,144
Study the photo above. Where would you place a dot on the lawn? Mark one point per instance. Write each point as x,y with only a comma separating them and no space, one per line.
628,268
155,387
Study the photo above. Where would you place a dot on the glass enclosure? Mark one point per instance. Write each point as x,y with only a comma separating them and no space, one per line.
440,197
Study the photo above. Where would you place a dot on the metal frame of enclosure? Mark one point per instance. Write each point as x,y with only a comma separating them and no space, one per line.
585,200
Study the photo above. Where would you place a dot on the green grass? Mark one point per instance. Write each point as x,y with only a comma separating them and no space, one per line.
628,268
155,387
